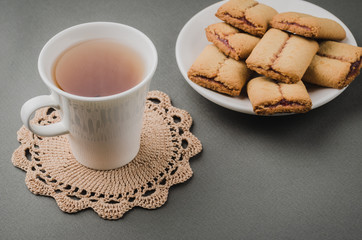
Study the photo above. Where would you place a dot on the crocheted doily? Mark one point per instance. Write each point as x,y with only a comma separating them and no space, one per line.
163,161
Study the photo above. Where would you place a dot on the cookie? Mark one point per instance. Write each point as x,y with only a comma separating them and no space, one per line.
268,96
282,56
309,26
213,70
230,41
247,15
336,65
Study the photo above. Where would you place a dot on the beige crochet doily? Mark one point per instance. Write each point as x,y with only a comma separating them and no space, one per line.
163,161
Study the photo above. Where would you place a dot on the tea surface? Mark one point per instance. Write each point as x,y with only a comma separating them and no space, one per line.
97,68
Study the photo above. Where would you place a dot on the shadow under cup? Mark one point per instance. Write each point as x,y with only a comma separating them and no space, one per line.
104,132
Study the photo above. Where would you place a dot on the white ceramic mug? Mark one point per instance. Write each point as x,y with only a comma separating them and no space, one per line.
103,132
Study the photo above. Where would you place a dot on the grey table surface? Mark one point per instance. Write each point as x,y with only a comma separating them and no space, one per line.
291,177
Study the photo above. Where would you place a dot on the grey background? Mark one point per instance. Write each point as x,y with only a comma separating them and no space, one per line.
291,177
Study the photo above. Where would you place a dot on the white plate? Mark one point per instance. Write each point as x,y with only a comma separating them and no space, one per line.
192,40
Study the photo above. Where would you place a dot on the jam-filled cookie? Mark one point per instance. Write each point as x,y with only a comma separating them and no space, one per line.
213,70
230,41
309,26
247,15
282,56
268,96
336,65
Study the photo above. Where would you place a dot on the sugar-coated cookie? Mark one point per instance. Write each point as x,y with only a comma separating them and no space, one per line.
230,41
336,65
309,26
213,70
282,56
268,96
247,15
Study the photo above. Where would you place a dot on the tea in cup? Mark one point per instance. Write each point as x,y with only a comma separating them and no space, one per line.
98,74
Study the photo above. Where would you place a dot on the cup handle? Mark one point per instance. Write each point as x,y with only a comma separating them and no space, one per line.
34,104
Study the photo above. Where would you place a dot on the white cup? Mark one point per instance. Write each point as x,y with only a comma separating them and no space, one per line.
103,132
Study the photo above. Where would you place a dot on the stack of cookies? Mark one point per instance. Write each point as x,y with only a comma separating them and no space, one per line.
286,49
